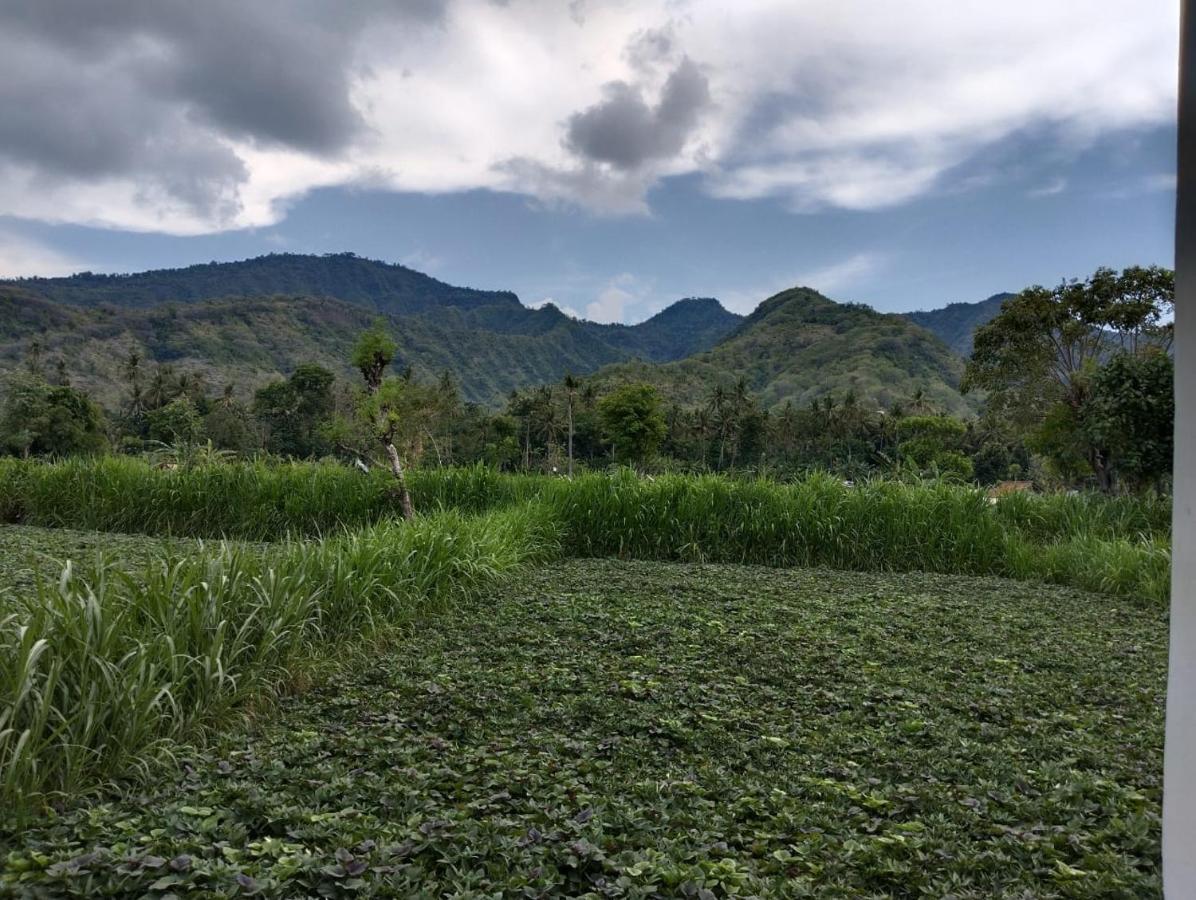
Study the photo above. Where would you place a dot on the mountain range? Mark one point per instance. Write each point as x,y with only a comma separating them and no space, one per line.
955,323
248,322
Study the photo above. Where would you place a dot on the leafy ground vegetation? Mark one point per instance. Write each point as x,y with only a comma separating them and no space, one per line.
622,728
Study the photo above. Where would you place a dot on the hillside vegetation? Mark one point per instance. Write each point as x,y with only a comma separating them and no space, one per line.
250,340
384,287
800,346
956,323
247,323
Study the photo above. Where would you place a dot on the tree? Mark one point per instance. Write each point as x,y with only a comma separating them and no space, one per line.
632,422
385,403
1046,345
294,412
177,422
40,418
932,444
1130,415
375,350
571,385
230,426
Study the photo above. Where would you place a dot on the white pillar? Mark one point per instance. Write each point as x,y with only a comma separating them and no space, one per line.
1179,775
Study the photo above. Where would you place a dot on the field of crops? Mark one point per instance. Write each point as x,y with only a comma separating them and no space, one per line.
637,729
343,693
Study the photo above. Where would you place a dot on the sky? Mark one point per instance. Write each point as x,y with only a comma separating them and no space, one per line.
610,157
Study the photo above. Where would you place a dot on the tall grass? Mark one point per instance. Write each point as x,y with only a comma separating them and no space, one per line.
251,501
818,521
101,668
1114,544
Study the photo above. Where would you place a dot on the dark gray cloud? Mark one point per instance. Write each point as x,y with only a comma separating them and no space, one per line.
624,131
153,89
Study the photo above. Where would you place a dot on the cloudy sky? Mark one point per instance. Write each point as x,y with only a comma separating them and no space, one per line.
609,156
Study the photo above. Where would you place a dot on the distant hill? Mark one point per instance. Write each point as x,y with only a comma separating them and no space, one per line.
799,346
385,287
248,322
491,346
957,322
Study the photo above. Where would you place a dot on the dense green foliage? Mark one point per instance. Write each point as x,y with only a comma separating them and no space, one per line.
1120,545
293,412
253,322
40,418
100,665
798,346
934,445
251,501
633,730
631,416
1130,414
955,323
1040,359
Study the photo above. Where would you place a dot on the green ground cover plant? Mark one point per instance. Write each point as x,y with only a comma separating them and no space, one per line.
632,729
103,664
106,663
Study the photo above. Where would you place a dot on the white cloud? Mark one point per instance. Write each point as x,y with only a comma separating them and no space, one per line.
1136,187
550,301
831,279
612,302
422,260
841,103
1163,181
21,257
1050,189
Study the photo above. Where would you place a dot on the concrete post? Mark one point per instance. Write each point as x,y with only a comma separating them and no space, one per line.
1179,776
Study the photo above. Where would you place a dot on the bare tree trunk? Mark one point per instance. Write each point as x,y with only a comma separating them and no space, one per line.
396,468
1100,467
570,437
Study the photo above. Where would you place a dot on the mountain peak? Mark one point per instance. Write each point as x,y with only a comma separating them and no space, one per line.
798,346
690,308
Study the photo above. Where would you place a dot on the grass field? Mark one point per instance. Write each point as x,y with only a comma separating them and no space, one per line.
641,729
1116,545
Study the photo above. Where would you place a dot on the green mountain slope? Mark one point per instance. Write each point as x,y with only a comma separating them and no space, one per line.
247,322
799,346
384,287
957,322
247,341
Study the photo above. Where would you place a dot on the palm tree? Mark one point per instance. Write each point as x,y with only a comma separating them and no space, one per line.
33,357
547,426
717,407
571,385
161,388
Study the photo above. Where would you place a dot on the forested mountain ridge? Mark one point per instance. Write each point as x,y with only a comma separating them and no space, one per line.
955,323
799,346
273,313
248,341
384,287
